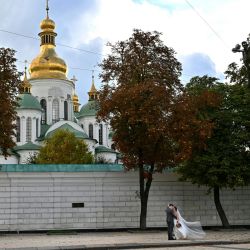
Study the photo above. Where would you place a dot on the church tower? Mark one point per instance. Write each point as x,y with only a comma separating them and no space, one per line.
48,77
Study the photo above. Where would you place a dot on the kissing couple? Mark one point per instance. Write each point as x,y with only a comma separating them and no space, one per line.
179,228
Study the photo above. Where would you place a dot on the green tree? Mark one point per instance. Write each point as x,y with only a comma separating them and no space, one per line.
224,162
64,148
153,121
236,74
9,87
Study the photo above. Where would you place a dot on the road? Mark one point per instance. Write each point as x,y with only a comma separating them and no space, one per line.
214,247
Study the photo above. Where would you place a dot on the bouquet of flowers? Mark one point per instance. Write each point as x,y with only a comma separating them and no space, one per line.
178,224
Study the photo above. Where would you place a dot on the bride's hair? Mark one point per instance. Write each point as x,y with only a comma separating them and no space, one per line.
175,208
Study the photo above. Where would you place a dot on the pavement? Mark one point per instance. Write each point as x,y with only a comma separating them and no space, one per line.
131,239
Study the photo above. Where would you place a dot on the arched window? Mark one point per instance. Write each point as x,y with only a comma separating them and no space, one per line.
44,111
18,129
55,111
100,134
91,135
66,110
28,129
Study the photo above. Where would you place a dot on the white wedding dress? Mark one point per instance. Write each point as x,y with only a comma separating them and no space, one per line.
188,230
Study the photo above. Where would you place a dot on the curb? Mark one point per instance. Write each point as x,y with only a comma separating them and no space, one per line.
135,245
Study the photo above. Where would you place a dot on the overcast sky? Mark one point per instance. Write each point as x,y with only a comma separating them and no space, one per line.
202,32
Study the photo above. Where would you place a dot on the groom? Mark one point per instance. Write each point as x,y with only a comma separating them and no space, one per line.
170,220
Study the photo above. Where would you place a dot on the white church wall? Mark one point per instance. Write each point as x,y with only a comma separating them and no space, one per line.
50,89
91,145
85,121
43,201
109,157
24,114
13,159
25,155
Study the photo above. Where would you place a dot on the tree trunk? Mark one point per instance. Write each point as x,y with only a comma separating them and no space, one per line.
219,207
144,192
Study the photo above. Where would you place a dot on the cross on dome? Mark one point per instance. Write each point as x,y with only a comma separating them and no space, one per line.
47,8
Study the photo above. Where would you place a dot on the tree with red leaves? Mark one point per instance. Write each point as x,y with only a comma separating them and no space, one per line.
155,123
9,87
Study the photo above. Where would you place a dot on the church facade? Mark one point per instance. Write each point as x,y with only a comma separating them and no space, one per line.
48,102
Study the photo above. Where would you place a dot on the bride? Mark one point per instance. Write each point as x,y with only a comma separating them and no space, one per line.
187,230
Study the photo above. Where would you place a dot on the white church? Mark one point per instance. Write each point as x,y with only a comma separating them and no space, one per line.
48,102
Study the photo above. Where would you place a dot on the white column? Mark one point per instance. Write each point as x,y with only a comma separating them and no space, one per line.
71,112
23,130
49,110
105,141
96,131
107,135
39,126
33,129
61,108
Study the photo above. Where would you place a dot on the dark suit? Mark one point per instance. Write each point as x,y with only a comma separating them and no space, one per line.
170,222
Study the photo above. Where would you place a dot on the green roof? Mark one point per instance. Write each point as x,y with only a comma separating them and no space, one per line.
66,126
102,149
61,168
27,146
28,101
44,129
89,109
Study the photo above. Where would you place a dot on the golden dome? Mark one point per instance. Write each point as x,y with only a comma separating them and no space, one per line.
47,64
76,103
75,98
25,85
93,93
47,24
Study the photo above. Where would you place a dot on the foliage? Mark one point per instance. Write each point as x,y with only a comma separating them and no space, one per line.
64,148
236,74
9,87
32,158
154,122
224,162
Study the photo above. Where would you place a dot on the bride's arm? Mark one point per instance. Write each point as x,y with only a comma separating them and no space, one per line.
176,214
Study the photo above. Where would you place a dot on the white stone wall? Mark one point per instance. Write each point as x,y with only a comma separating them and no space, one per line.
38,201
12,159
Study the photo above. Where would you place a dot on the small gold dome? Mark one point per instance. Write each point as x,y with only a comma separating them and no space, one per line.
25,85
47,24
93,93
47,64
76,103
75,98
